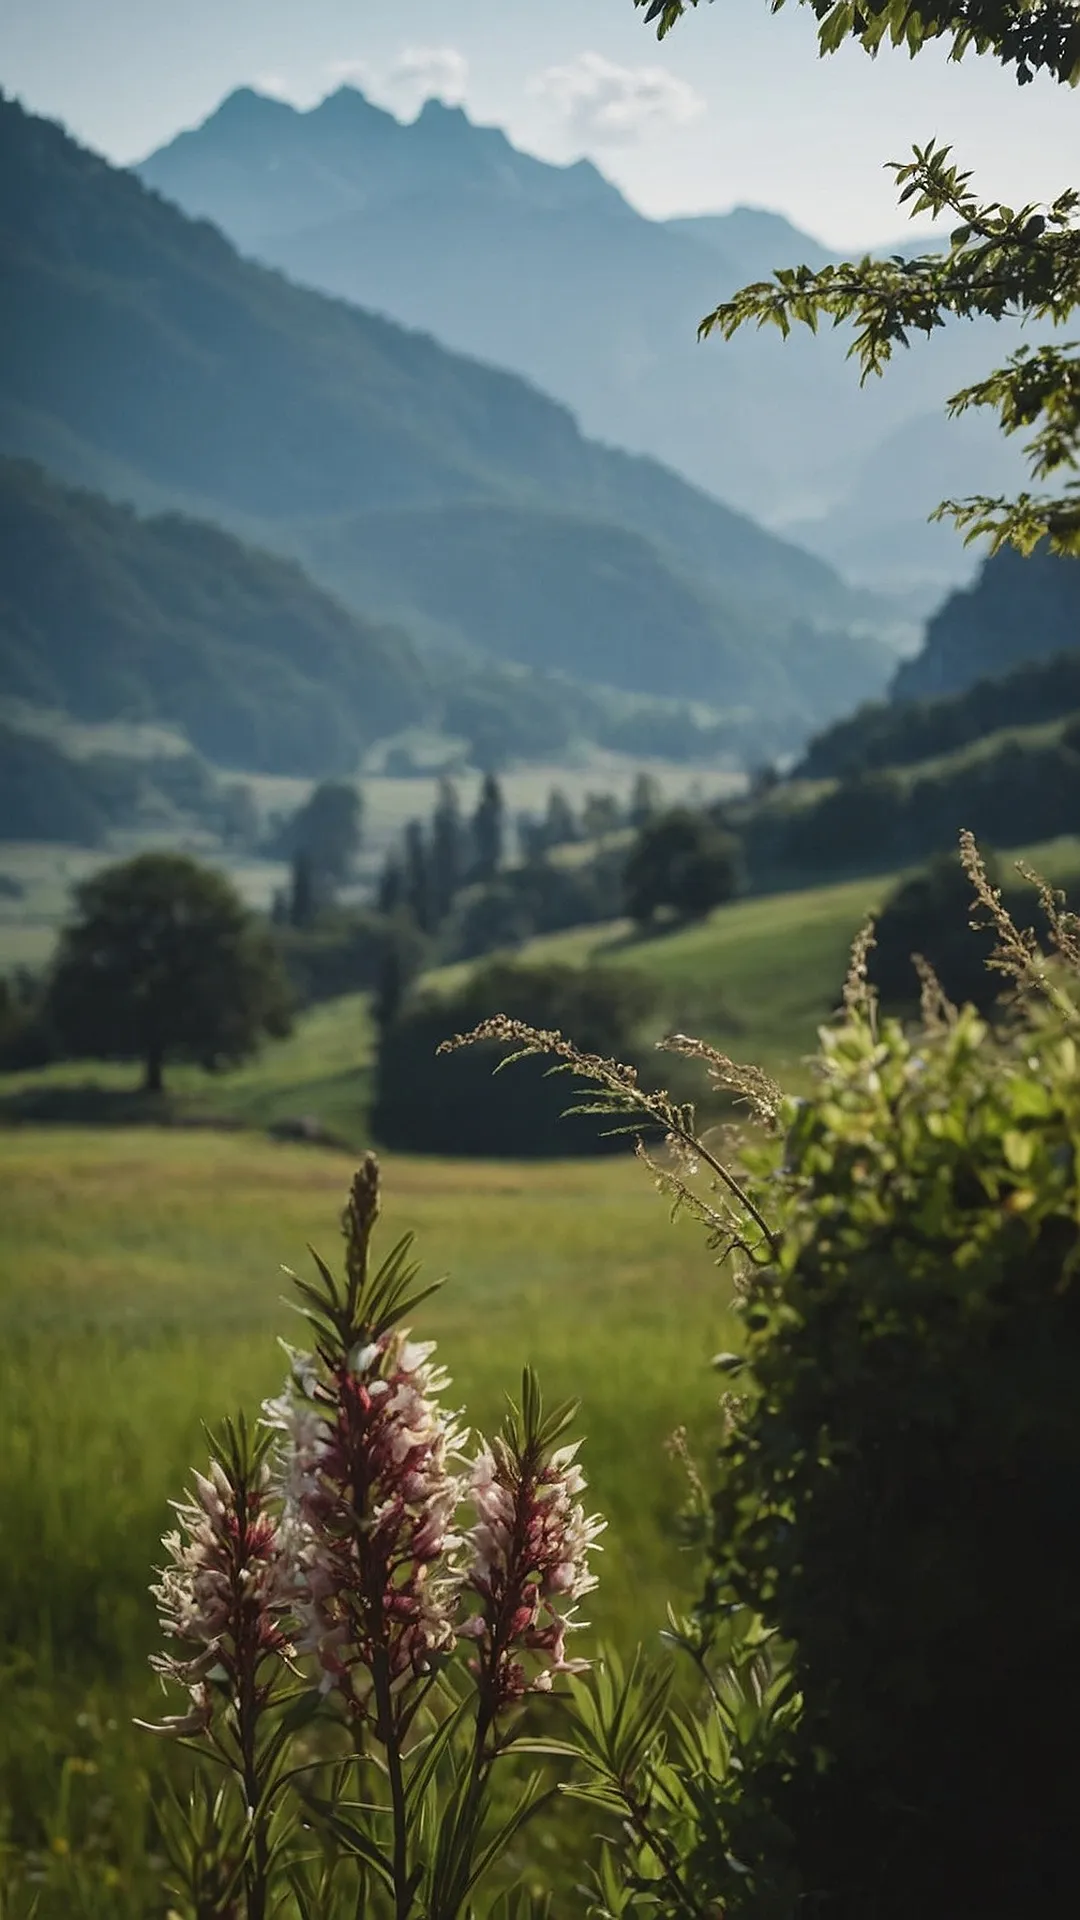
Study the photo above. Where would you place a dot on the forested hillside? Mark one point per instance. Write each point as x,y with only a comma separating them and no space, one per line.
140,354
1017,610
105,615
898,733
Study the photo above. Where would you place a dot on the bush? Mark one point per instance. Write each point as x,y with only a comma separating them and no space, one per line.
929,914
450,1103
544,896
347,952
887,1621
683,861
894,1498
26,1036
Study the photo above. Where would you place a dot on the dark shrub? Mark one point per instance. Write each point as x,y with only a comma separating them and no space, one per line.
682,861
899,1496
347,952
429,1103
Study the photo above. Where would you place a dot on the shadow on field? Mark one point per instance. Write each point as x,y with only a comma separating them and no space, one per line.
89,1105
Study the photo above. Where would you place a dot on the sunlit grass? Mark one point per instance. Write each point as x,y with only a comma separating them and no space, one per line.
141,1292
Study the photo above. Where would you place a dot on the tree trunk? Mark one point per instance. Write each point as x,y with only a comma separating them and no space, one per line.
154,1076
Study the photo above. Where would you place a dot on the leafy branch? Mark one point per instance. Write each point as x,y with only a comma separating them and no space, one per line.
1001,261
1031,35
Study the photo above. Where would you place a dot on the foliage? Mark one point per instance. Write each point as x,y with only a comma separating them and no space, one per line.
26,1036
1033,37
928,915
49,794
1009,787
449,849
908,1410
430,1105
346,951
44,795
927,921
488,830
542,896
180,621
163,960
327,830
1001,260
903,1407
683,861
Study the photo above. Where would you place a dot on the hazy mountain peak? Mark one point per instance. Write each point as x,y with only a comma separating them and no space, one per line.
755,240
261,168
348,105
246,109
436,112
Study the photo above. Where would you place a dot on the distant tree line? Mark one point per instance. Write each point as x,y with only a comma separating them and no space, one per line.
900,733
1008,789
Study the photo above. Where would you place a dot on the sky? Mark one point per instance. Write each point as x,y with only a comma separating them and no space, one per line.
734,108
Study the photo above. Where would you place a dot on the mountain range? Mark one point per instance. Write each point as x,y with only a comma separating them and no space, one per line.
547,270
142,357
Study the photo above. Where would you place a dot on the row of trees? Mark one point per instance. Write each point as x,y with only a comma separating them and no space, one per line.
162,960
449,853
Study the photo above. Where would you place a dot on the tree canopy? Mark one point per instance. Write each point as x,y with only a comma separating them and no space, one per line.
1001,260
163,960
681,860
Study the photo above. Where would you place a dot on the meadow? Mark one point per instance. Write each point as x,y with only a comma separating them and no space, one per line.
141,1293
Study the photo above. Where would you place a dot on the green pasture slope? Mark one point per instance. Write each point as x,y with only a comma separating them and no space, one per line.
757,978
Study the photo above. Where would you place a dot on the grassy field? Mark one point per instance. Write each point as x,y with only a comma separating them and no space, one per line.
141,1292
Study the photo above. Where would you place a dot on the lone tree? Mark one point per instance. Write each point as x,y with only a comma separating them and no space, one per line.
163,961
681,860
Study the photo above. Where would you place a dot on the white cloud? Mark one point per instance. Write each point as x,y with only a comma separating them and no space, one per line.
441,73
416,75
274,84
603,104
354,72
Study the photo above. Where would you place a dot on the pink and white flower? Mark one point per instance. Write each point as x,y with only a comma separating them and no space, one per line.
529,1550
369,1474
225,1592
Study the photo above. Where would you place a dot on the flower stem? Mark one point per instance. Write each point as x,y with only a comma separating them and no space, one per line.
380,1673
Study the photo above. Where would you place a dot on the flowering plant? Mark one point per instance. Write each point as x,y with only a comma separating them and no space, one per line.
360,1598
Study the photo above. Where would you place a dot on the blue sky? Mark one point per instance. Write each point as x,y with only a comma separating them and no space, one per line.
734,107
